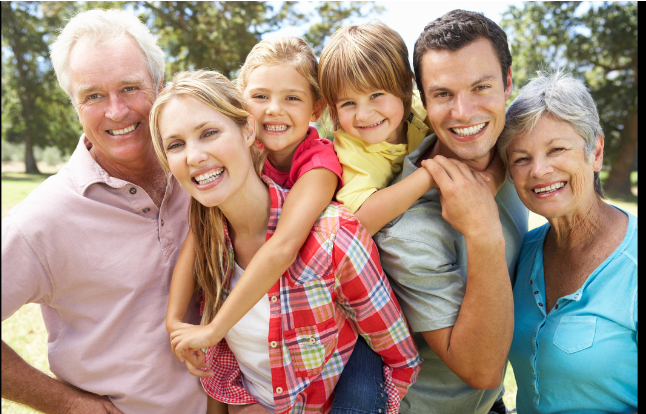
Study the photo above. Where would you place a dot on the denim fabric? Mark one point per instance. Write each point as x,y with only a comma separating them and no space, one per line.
361,386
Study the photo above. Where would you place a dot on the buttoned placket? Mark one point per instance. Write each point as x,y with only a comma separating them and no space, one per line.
144,205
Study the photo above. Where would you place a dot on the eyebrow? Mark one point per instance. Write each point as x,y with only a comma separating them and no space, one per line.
85,89
486,78
290,90
199,126
525,151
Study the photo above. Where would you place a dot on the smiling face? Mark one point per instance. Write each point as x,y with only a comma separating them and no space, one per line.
373,117
207,152
465,100
551,173
282,102
113,93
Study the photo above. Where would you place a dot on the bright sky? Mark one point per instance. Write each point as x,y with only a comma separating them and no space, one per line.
408,18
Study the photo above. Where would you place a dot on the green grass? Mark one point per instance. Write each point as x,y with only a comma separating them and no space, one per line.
25,331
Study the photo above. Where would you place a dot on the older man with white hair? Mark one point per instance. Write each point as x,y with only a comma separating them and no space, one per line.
95,245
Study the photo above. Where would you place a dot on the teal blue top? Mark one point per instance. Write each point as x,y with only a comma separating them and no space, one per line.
581,356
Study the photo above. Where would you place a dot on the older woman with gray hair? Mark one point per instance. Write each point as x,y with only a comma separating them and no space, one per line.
575,296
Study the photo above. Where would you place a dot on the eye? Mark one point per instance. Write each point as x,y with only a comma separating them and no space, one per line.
293,98
259,96
441,95
483,87
93,96
347,103
556,150
130,88
174,145
520,160
210,133
375,95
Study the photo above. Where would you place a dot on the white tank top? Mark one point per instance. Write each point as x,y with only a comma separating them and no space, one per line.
248,342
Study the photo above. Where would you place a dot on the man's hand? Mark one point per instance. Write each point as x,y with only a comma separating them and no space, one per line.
247,409
467,202
86,402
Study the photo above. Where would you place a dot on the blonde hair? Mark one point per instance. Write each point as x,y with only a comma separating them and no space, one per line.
290,51
364,57
212,260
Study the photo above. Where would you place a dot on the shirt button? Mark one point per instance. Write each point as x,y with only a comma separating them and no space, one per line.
133,190
279,390
392,151
536,292
146,210
273,344
556,307
382,395
312,340
162,223
531,282
540,304
274,299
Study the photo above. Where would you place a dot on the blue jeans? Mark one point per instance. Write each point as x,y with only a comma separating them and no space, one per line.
360,389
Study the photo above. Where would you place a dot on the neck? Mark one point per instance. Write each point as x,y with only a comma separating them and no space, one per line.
581,228
247,213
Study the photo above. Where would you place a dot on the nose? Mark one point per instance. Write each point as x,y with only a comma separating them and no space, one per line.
274,107
117,108
364,112
195,155
463,107
541,167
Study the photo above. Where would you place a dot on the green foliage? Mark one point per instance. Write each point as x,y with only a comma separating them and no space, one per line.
599,46
13,152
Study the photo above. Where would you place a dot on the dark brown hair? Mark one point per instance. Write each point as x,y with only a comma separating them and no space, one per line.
455,30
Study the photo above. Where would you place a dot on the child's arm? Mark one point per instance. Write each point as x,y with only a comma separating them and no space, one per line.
386,204
182,285
309,196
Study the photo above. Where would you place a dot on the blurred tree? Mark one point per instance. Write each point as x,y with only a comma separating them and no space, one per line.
599,46
34,109
193,34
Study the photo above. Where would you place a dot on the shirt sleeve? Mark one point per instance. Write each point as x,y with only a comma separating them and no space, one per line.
364,292
24,279
426,271
226,385
316,153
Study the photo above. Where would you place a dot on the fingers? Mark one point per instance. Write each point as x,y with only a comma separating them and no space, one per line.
202,372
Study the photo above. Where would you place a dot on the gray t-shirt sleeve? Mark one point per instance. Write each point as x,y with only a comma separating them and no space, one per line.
425,271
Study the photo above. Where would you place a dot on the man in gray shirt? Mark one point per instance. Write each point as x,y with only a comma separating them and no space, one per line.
451,256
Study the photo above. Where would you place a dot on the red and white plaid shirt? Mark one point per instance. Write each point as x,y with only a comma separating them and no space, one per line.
335,289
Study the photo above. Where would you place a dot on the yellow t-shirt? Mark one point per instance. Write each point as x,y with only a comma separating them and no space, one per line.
370,167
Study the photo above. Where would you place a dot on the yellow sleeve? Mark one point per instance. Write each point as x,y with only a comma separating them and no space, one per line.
419,126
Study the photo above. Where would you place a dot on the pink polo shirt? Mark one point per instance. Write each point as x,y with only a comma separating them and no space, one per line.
98,255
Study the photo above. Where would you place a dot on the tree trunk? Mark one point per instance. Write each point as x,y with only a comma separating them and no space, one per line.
30,161
618,182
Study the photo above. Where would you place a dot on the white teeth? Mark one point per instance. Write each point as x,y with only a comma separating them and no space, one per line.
123,131
550,188
375,124
276,127
469,131
208,177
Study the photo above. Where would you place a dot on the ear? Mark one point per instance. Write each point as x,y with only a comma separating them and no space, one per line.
249,130
161,85
597,154
509,85
319,107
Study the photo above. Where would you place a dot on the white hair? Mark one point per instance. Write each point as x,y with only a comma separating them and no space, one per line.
99,26
558,95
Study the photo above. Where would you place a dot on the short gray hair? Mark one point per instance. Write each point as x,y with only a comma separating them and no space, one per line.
560,96
98,26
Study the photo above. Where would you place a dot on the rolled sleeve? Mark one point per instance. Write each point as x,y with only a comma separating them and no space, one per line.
428,279
24,279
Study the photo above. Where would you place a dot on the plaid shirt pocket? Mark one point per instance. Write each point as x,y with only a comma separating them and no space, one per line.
310,347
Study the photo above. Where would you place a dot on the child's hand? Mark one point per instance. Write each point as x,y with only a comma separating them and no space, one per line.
192,336
196,364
